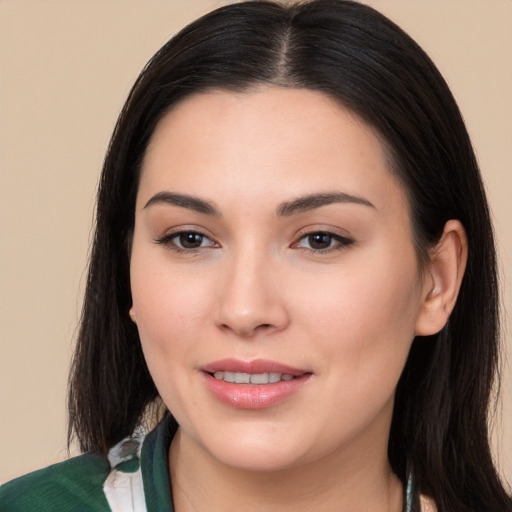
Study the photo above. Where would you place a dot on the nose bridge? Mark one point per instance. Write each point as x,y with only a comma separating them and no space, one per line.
249,295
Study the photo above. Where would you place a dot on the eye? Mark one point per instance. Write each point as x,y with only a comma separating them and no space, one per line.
189,240
322,241
186,241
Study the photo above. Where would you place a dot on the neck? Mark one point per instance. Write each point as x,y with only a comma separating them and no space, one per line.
338,483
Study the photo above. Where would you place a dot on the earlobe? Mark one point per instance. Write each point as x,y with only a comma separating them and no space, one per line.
443,279
133,316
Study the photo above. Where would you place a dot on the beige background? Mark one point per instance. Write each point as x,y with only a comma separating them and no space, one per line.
65,70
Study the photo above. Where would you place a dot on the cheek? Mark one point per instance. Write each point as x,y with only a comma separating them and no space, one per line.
360,327
170,308
364,317
168,320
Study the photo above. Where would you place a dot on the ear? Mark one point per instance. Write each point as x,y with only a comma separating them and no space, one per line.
443,279
133,316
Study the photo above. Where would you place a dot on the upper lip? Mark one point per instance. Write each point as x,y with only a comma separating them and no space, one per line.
254,366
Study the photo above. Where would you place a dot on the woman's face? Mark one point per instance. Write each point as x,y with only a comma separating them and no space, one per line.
273,247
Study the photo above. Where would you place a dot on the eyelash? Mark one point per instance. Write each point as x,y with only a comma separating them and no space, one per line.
167,241
341,242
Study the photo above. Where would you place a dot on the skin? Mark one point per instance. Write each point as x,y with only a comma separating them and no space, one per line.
255,288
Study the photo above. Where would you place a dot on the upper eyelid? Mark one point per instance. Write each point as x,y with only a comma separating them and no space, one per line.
334,234
169,235
319,228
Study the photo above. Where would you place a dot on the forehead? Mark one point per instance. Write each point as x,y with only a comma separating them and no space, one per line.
270,142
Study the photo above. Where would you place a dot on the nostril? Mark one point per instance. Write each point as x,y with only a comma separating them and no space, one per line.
247,331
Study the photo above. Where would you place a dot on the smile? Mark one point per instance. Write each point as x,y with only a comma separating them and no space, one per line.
255,384
252,378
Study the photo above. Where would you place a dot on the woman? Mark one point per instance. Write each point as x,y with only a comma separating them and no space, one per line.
293,256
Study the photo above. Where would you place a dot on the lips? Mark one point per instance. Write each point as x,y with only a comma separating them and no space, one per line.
252,367
253,384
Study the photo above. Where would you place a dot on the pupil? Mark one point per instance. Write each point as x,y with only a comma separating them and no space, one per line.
319,241
191,240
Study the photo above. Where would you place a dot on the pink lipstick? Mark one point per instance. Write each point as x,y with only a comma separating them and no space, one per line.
255,384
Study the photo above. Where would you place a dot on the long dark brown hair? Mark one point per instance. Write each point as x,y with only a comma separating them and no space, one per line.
351,53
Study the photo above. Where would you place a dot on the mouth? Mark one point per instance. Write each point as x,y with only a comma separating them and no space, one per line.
256,371
254,384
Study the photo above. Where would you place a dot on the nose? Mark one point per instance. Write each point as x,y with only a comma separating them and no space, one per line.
251,301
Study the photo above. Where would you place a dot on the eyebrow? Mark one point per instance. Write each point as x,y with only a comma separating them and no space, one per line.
183,201
313,201
297,205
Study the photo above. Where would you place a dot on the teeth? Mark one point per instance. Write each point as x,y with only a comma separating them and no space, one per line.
242,378
274,377
259,378
252,378
229,376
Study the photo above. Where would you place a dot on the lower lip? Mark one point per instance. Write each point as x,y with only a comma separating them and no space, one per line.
254,396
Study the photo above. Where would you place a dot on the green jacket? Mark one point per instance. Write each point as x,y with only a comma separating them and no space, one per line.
134,477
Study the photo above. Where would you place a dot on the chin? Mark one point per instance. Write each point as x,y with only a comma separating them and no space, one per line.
256,459
268,450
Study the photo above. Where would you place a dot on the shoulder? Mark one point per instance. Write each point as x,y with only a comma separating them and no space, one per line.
73,485
134,474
